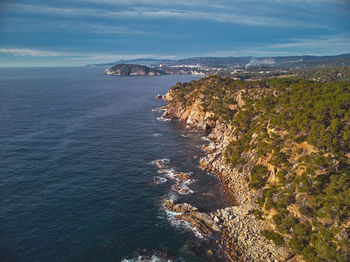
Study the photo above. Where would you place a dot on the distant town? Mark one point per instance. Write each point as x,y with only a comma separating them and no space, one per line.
320,68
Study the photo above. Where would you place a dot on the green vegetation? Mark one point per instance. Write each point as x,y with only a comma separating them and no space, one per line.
258,176
302,129
325,73
275,237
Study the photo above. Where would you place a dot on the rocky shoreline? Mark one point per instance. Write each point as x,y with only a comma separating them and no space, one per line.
237,230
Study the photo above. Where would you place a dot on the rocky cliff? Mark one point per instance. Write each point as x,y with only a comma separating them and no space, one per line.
269,160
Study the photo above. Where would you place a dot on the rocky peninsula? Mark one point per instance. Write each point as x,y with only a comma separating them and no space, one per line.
133,70
266,168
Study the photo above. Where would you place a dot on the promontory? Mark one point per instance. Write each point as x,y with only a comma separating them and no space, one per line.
133,70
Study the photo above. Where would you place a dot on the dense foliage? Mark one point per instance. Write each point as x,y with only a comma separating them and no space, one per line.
301,128
317,73
325,73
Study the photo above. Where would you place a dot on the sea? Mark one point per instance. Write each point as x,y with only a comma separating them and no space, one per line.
78,179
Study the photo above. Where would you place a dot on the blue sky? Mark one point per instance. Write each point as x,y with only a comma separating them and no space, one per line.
78,32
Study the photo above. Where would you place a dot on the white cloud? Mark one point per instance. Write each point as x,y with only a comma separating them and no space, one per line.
236,15
33,52
326,45
329,42
80,55
19,25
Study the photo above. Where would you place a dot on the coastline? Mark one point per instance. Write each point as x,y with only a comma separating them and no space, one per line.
236,229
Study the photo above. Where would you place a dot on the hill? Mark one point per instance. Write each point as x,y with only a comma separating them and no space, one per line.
244,61
133,70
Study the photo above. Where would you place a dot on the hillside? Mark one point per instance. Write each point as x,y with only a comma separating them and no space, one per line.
243,61
133,70
281,147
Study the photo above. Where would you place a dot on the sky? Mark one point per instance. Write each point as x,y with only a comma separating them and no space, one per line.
79,32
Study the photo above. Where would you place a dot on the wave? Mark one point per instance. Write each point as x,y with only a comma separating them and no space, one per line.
159,180
204,138
182,189
163,119
158,109
163,161
158,255
179,224
156,134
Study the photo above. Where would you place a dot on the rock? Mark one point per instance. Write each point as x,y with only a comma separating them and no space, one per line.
226,214
159,96
205,217
168,203
216,219
216,227
183,176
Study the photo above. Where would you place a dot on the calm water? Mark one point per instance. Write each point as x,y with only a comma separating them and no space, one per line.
76,183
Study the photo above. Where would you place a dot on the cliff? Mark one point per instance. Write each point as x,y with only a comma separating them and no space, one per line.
133,70
281,149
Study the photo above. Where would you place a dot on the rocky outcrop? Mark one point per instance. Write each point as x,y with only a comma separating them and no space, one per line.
237,230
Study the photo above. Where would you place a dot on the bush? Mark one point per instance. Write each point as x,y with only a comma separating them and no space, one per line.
275,237
287,224
279,159
277,219
306,211
297,244
281,175
284,201
258,176
258,214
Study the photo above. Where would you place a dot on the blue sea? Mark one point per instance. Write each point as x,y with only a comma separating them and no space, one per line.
77,181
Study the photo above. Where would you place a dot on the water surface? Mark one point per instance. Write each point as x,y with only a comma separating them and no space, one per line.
76,183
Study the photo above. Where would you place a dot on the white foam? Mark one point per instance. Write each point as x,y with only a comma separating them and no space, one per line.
163,119
158,109
154,258
157,134
169,173
181,224
159,180
204,138
172,196
162,161
184,189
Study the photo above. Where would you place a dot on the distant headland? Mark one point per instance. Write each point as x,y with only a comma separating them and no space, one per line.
133,70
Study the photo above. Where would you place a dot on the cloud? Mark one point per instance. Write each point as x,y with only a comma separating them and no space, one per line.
79,55
237,15
321,42
326,45
33,52
19,25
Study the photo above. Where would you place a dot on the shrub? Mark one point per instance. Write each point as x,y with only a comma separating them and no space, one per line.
258,214
277,219
287,224
281,175
275,237
297,244
258,176
306,211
